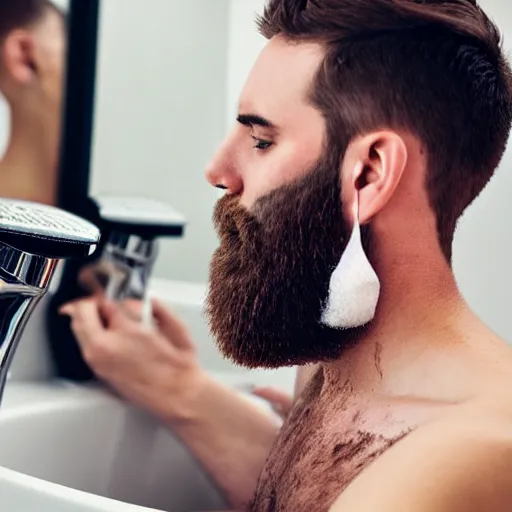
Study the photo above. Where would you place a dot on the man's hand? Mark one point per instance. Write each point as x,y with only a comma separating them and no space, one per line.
157,369
153,368
280,402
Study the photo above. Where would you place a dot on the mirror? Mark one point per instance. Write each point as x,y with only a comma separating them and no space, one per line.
33,89
45,48
33,42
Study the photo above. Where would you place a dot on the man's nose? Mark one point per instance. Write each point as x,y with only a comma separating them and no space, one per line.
222,172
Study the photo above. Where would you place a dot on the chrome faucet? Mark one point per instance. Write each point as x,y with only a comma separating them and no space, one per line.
133,226
33,239
128,261
123,271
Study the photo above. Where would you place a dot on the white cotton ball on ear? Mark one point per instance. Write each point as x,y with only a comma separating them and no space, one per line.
353,289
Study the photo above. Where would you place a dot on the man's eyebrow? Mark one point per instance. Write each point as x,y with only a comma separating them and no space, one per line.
254,120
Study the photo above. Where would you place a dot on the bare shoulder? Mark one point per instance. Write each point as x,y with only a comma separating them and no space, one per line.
461,462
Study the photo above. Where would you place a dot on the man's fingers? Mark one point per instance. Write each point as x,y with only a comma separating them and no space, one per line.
92,317
119,315
133,308
67,309
88,279
94,277
280,402
172,328
85,319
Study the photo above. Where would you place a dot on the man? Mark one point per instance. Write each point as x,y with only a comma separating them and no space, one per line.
32,46
364,131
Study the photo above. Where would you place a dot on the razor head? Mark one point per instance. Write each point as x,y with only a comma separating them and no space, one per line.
46,231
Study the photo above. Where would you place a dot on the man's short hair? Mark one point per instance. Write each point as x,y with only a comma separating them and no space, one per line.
434,68
22,13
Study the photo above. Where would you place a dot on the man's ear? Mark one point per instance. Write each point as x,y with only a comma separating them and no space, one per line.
18,56
372,168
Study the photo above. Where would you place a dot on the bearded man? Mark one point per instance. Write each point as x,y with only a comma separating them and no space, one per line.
365,129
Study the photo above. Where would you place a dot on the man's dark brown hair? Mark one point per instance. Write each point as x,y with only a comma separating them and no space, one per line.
434,68
22,13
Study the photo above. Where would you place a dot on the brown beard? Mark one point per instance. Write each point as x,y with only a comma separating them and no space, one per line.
269,278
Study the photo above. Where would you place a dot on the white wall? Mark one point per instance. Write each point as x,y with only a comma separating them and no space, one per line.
160,114
484,243
245,43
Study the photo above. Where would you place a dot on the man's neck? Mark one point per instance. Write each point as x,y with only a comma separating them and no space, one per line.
29,168
422,343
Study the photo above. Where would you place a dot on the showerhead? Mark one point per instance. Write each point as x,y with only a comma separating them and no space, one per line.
45,230
33,237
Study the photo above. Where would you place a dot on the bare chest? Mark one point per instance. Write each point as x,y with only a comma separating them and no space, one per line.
317,455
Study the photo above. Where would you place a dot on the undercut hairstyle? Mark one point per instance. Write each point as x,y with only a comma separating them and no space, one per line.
434,68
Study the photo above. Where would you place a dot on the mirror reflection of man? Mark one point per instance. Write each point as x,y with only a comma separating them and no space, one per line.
32,60
365,129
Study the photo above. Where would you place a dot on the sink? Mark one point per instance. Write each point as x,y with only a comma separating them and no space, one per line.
73,448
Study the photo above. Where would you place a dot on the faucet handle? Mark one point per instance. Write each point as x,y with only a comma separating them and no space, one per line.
144,217
45,231
132,226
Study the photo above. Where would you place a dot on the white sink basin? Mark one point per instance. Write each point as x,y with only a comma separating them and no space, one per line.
68,448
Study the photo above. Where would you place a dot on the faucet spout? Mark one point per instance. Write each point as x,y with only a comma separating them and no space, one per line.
24,279
33,239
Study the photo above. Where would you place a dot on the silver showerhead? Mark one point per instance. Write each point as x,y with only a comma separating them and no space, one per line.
33,237
45,230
